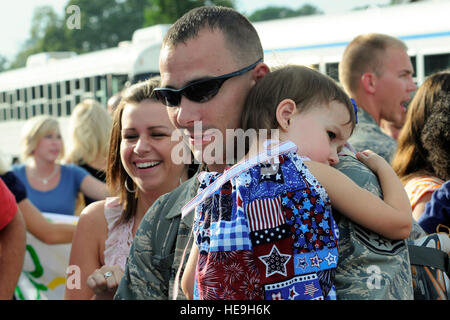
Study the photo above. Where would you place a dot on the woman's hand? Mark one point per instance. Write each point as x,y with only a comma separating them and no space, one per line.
104,282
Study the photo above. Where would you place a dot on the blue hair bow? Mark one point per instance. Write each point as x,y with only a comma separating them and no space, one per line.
355,108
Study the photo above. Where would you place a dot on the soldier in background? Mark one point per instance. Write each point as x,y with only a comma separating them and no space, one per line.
376,71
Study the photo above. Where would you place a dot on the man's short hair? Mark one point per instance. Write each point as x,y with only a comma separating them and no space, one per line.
241,37
363,54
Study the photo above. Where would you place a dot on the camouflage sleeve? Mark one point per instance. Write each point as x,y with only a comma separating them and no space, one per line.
359,173
370,267
368,135
147,272
183,245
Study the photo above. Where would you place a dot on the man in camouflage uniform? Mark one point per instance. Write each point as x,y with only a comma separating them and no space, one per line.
162,237
204,43
376,71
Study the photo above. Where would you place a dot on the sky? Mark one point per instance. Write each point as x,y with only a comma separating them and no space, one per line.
16,15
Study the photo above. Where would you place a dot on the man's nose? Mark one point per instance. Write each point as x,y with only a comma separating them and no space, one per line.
187,113
412,86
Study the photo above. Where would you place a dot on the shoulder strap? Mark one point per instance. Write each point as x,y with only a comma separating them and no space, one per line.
235,170
425,256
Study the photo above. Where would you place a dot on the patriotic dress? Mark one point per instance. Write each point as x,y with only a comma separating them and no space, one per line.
265,233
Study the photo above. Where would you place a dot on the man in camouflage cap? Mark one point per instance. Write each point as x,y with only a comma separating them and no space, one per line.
376,71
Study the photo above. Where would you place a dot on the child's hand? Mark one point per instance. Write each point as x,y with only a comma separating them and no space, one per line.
372,160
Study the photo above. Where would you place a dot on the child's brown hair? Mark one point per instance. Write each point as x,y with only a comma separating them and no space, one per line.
305,86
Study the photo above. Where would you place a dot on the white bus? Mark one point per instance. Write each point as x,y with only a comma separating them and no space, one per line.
55,83
320,40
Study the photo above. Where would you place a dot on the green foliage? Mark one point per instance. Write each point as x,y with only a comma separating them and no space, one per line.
104,23
168,11
273,12
3,63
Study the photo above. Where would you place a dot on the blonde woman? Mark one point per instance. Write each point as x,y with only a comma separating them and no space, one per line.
51,186
90,126
44,230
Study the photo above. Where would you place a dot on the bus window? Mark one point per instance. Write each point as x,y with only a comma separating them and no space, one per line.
87,84
436,62
413,62
118,82
332,70
68,111
98,83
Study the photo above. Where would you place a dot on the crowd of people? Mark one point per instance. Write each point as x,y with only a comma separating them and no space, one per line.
290,219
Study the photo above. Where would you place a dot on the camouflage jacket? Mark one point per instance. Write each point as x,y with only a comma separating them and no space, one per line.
368,135
370,267
158,247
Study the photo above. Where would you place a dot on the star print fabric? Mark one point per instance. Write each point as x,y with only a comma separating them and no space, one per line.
266,234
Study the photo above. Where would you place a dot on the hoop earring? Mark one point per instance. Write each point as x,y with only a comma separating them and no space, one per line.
128,189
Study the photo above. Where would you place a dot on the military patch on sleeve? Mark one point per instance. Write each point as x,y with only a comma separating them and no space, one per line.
377,243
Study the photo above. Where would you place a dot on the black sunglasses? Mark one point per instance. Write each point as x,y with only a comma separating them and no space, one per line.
198,91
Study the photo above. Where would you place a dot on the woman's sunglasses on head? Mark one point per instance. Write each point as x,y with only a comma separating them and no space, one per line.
198,91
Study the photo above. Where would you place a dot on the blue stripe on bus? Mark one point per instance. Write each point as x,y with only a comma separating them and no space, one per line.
343,44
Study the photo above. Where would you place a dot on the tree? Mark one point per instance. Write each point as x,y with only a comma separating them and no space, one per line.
46,34
273,12
393,2
168,11
3,63
103,24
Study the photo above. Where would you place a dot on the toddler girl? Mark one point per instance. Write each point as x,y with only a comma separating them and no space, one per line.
263,228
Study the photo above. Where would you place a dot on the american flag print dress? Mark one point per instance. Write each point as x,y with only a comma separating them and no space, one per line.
266,235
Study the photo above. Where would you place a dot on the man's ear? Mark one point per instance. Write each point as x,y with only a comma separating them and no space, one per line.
369,81
260,71
285,110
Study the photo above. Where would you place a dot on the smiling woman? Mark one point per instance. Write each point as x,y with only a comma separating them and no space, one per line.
139,170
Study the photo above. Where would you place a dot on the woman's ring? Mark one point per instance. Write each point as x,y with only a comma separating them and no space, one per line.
107,274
